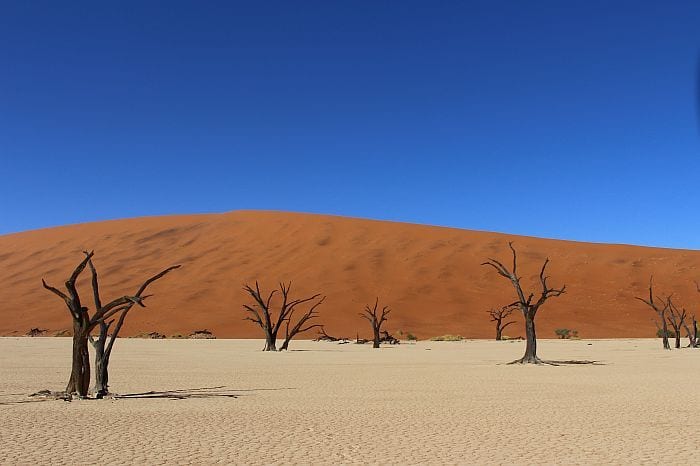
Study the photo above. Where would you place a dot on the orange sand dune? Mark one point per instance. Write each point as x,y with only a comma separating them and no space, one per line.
430,276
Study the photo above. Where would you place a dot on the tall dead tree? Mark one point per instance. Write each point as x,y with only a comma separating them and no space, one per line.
376,320
676,317
104,342
527,306
498,316
262,314
84,323
660,307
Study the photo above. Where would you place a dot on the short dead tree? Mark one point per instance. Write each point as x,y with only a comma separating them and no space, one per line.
203,334
692,333
261,314
527,306
660,307
676,317
323,336
375,319
498,316
84,323
389,338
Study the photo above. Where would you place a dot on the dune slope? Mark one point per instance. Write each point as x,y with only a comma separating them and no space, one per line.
430,276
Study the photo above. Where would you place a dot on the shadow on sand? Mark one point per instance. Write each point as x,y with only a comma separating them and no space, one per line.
183,394
575,362
188,393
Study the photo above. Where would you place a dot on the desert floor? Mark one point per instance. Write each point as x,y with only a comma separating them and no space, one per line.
325,403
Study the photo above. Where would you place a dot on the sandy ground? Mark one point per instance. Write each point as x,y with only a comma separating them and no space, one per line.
325,403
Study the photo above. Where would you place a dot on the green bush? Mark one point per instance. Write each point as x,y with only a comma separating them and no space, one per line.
566,334
670,333
411,337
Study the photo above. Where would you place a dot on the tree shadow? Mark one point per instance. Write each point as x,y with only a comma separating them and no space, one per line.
577,362
17,402
190,393
550,362
181,394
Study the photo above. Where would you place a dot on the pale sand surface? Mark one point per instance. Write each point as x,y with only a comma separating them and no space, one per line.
329,404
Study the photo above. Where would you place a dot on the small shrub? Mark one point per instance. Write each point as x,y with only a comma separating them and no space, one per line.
566,334
201,334
448,338
411,337
670,333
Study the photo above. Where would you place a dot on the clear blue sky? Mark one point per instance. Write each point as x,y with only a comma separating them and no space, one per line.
562,119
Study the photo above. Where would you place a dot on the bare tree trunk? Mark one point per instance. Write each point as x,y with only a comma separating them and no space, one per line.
499,333
101,387
664,337
678,339
375,344
531,345
270,342
101,375
79,381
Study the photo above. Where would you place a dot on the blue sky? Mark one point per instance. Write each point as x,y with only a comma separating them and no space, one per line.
561,119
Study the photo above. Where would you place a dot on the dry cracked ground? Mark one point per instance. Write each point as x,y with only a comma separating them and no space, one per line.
224,401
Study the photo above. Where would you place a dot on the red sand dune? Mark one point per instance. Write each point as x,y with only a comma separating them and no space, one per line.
430,276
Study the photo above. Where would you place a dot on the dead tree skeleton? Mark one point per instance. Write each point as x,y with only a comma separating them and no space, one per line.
660,306
676,317
526,305
84,323
104,342
498,316
261,314
375,320
692,334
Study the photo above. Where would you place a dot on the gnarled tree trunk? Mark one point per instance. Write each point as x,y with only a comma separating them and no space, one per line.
101,387
531,341
270,341
79,381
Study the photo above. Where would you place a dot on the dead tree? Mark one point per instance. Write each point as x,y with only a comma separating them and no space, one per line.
660,307
526,305
262,314
692,334
104,342
386,337
676,317
498,316
375,320
84,323
323,336
300,326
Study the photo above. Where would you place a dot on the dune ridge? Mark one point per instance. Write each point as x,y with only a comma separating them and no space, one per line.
430,276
